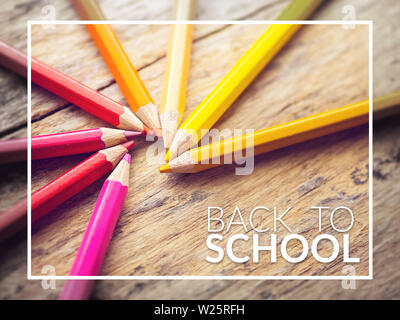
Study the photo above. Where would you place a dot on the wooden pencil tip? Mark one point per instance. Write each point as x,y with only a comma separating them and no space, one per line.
165,168
167,137
128,145
146,130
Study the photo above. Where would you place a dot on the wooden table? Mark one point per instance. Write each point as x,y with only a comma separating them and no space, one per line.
173,210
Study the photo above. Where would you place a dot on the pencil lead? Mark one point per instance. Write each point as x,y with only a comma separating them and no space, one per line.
165,168
127,158
128,145
132,134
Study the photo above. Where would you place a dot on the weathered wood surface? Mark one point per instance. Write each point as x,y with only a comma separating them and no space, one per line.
13,30
311,75
386,172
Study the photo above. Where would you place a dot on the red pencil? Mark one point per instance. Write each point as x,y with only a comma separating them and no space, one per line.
76,142
13,150
71,90
75,180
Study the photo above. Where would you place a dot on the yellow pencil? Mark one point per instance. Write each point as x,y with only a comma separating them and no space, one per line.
240,76
185,9
299,9
177,71
387,105
89,9
273,138
118,62
231,86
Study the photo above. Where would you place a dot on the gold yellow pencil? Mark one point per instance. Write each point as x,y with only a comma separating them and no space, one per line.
387,105
273,138
118,62
299,9
231,86
185,9
177,71
89,9
240,76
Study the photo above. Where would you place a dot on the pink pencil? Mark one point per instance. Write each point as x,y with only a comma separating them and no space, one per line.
76,142
99,232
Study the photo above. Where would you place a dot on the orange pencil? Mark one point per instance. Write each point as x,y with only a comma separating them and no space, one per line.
119,64
125,74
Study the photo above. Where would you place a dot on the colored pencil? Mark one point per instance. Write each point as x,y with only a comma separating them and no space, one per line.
233,84
78,178
177,71
99,231
387,105
62,144
13,219
77,289
273,138
13,150
76,142
185,9
126,76
300,9
102,222
13,59
89,10
72,90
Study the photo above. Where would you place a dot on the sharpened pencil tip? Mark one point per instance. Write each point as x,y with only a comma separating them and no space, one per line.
128,145
165,168
127,158
146,130
168,137
132,134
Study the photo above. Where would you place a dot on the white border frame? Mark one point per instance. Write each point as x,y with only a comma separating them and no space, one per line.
305,22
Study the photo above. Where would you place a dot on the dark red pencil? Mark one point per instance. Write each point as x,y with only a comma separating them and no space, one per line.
13,59
13,219
71,90
76,142
13,150
75,180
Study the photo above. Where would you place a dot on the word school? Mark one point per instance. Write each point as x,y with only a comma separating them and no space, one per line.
215,239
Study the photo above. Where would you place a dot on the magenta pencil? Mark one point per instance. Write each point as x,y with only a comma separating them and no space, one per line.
100,229
76,142
77,289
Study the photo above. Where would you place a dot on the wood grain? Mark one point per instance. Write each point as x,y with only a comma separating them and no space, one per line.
322,61
13,30
386,172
